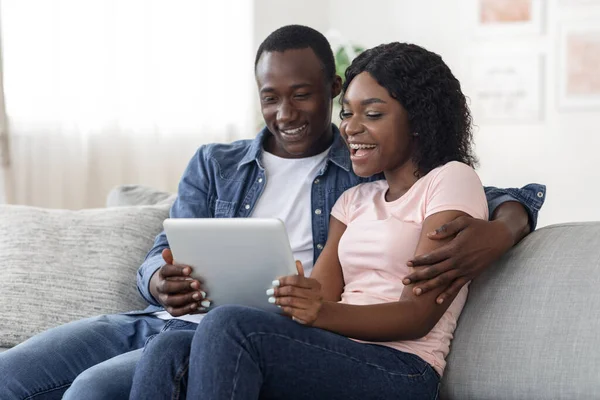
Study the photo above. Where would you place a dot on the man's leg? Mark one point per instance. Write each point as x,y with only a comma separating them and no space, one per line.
161,373
44,366
110,380
244,353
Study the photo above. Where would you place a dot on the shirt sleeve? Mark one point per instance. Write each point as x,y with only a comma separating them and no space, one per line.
456,187
531,196
191,202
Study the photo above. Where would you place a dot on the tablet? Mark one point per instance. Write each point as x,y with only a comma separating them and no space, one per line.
236,258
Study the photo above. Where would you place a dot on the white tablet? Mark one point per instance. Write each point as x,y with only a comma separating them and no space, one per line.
236,258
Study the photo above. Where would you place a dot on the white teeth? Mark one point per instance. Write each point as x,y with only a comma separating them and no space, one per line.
294,131
361,146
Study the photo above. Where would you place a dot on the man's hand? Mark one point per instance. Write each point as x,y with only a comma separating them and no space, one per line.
298,296
175,290
475,245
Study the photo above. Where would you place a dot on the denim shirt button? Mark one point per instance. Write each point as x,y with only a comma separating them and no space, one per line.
320,246
318,211
259,180
317,181
540,194
247,206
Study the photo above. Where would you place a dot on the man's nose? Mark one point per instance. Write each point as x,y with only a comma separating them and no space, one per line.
286,112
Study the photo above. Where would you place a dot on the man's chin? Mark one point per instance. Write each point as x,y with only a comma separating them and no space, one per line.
297,150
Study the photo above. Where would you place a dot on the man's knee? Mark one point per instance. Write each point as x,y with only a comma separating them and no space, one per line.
110,379
97,383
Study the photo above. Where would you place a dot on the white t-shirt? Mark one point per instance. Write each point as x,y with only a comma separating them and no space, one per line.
287,196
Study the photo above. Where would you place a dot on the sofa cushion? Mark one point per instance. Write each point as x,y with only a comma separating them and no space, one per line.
62,265
531,324
138,195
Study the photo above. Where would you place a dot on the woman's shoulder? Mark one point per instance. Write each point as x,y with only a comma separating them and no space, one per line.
366,189
453,171
453,167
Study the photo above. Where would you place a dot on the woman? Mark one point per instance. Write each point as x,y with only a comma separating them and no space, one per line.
356,331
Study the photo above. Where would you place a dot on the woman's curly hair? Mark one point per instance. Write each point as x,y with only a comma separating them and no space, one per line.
426,88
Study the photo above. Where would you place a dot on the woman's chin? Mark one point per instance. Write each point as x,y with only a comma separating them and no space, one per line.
363,171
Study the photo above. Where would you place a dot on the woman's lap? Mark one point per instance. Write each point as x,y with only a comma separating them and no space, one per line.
298,362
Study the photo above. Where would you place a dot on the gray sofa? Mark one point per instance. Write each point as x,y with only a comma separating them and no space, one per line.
530,328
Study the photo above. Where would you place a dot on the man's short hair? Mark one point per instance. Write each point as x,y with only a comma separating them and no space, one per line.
300,37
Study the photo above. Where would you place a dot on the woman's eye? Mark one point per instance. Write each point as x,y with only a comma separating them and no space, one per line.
345,114
373,115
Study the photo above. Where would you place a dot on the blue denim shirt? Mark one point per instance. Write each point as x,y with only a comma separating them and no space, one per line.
226,181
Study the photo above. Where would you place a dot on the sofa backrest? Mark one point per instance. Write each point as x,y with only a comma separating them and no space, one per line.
531,325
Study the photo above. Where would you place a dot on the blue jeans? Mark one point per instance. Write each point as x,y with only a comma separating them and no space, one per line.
93,358
244,353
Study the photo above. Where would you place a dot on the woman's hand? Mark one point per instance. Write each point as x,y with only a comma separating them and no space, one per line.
298,296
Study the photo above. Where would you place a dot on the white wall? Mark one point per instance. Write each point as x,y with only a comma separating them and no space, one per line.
562,151
272,14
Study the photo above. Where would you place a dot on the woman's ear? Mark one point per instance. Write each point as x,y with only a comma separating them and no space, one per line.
336,86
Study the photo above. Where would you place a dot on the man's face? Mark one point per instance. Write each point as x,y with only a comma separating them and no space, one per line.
295,101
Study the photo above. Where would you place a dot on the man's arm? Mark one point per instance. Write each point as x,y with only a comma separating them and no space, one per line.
191,202
476,244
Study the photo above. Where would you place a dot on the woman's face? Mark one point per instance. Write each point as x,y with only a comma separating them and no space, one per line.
375,127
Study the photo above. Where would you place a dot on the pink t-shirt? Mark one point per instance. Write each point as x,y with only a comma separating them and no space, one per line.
382,236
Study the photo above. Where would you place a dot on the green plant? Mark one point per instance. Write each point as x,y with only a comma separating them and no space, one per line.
343,59
342,62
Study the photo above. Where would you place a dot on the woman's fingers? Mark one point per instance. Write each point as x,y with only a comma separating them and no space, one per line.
289,301
293,291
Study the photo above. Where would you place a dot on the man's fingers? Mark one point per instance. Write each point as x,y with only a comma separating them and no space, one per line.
428,272
449,229
442,280
170,270
180,300
167,255
179,311
168,286
453,290
433,257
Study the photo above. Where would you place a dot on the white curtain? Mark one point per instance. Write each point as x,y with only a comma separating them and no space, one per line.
4,149
106,92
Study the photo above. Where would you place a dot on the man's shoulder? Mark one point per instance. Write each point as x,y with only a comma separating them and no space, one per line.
227,156
226,150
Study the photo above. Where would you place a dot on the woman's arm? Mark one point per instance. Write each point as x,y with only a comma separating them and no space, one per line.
411,317
328,270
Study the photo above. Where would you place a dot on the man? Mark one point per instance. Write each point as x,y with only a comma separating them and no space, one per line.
295,169
295,75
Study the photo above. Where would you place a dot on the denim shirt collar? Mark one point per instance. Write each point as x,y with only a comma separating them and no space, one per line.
339,153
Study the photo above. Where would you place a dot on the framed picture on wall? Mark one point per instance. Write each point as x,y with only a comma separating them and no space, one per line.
507,89
509,17
578,2
579,65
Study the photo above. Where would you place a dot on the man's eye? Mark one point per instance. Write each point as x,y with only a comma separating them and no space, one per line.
268,99
302,95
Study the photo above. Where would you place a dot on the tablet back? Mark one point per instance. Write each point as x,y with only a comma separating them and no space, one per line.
235,258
